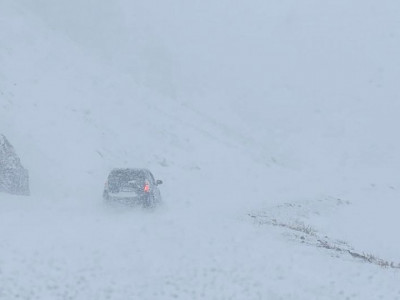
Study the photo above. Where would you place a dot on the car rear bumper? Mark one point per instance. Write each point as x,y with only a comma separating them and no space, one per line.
127,199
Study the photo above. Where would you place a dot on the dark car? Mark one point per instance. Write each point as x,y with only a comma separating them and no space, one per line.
14,178
132,186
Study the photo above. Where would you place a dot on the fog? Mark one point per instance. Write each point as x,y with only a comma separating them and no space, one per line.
280,110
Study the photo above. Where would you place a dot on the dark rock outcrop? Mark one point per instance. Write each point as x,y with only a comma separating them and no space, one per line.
14,178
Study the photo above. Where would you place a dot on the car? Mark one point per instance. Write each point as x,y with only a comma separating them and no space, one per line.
132,186
14,178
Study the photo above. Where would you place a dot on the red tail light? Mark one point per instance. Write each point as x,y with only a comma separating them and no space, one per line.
146,188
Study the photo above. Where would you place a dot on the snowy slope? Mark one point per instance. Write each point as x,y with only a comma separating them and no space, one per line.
258,108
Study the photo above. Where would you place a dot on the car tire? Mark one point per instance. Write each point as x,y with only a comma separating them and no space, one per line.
148,202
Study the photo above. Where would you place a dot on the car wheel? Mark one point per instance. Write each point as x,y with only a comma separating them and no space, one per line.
148,201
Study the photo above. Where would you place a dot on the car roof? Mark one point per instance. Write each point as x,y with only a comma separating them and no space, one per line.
130,170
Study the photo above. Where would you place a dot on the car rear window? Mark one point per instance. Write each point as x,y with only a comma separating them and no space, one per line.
126,176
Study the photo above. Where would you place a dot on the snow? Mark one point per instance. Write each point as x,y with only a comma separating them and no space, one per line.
283,111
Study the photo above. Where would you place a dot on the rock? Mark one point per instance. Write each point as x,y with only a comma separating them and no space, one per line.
14,178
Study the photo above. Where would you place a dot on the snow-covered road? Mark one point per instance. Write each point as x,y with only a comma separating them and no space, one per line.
70,249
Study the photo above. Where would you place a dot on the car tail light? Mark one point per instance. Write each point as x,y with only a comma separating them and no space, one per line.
146,188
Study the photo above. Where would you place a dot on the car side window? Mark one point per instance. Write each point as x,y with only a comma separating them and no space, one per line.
150,176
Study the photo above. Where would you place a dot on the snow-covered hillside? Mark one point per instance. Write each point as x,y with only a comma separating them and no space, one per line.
282,112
